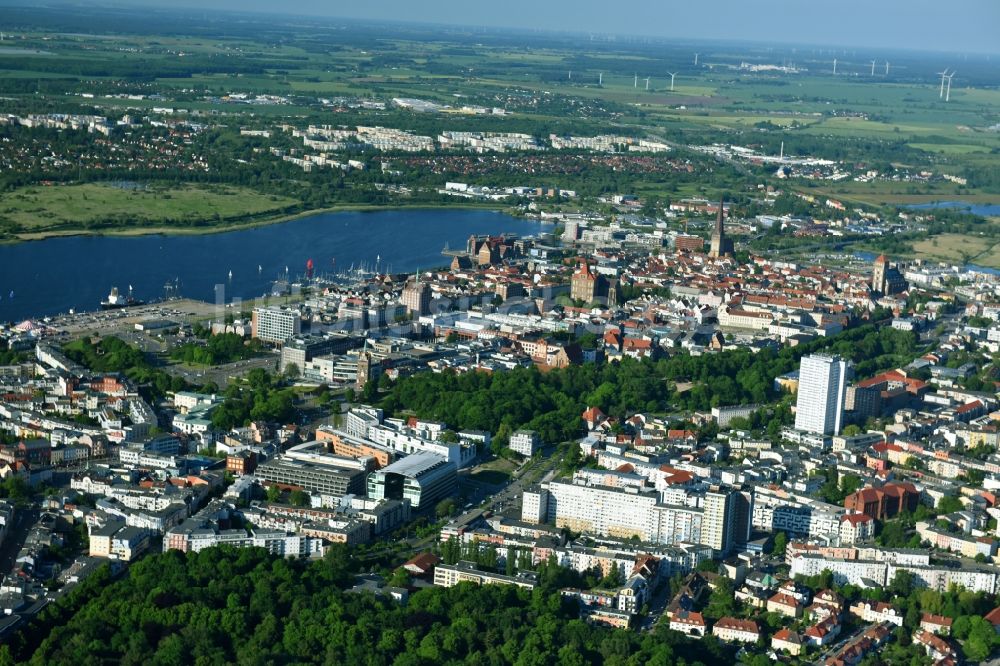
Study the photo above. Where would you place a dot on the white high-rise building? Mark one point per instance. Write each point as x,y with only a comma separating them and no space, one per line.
823,380
275,324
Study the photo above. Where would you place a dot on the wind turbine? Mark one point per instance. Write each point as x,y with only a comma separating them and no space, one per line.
647,84
947,91
944,75
600,79
635,83
696,59
835,67
672,75
887,68
873,68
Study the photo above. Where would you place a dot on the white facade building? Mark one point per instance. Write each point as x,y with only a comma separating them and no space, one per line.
274,324
819,407
525,442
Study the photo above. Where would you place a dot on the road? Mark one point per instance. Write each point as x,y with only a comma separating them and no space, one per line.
657,605
12,543
220,375
830,649
508,498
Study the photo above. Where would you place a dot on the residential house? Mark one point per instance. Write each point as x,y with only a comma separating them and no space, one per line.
422,564
936,624
936,647
823,632
735,630
688,623
855,528
785,604
826,603
877,611
788,641
856,649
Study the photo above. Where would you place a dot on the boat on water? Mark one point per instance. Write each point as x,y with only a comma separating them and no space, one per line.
117,300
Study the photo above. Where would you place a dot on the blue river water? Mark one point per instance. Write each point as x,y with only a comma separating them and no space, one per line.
52,276
986,210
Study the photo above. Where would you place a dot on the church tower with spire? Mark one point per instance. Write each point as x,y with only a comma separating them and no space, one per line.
880,282
721,246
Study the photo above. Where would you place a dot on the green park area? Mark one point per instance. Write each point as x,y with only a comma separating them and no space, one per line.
960,248
45,210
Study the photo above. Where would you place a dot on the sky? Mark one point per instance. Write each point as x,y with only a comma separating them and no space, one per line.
954,25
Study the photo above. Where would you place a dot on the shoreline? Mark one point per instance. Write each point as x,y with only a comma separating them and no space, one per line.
225,228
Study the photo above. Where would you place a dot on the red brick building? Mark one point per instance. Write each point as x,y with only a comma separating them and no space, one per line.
241,463
884,502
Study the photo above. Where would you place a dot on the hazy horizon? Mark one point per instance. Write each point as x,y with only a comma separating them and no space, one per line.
970,25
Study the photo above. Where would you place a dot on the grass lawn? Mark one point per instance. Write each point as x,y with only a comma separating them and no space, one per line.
490,477
889,193
65,207
494,472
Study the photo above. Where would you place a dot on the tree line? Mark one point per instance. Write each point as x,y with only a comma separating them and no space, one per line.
552,402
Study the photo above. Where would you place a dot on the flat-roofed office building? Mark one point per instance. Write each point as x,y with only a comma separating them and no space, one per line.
422,478
314,477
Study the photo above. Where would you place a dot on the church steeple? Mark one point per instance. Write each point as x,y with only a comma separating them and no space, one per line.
720,246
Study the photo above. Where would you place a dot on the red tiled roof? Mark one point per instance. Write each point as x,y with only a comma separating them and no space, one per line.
739,625
866,495
784,599
822,628
936,643
856,518
899,488
422,561
787,635
968,407
689,617
939,620
674,475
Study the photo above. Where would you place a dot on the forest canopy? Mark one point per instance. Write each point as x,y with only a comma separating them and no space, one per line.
227,606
